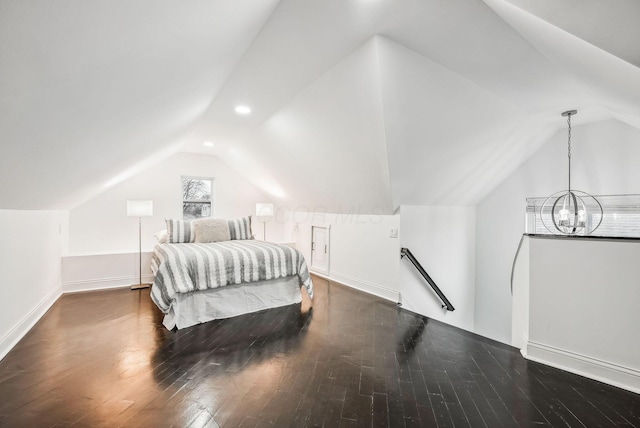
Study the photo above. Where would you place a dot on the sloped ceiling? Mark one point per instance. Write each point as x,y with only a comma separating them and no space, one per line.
88,89
358,105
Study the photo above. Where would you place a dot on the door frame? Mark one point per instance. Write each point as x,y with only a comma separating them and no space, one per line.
328,244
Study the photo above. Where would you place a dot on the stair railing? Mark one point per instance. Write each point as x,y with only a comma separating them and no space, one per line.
405,252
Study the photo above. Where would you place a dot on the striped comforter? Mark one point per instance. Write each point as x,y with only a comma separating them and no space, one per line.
182,268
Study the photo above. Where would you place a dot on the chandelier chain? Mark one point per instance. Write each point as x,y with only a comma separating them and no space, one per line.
569,140
569,150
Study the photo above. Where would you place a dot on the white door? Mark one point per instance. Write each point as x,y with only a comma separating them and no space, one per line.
320,248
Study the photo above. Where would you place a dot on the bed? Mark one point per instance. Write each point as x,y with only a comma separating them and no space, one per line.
196,282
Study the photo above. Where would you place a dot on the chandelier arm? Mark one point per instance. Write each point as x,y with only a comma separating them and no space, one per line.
544,223
553,216
575,211
601,214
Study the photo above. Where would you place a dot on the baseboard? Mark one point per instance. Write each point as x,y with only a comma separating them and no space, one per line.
104,283
320,274
583,365
367,287
13,336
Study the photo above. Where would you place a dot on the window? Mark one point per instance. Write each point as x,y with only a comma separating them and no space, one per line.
620,218
197,197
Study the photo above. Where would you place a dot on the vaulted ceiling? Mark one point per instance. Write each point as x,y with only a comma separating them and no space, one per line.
356,104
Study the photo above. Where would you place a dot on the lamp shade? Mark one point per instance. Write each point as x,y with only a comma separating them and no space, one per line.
264,210
139,208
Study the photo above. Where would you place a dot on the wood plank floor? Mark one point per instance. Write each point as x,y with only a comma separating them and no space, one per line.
103,359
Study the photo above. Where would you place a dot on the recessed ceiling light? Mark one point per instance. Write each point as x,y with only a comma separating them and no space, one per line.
243,110
208,144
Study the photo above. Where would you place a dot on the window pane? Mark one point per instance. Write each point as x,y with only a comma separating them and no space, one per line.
195,189
193,210
620,217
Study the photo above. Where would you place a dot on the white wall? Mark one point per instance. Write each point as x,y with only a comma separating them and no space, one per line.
426,141
102,226
362,254
335,126
499,227
96,272
604,161
583,303
365,257
30,249
443,241
520,301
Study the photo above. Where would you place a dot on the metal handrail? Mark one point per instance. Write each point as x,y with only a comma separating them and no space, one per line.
446,303
513,265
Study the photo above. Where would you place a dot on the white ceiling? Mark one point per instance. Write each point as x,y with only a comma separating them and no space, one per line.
90,88
358,105
610,26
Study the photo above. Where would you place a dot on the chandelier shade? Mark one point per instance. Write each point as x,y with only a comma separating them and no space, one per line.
571,212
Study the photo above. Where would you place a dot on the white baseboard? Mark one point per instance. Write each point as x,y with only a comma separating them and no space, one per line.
13,336
367,287
104,283
583,365
320,274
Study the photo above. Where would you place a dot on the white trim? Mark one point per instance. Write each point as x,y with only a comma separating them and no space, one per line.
320,274
365,286
13,336
104,283
613,374
320,224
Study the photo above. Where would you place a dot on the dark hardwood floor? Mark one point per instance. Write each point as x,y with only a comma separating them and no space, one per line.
103,359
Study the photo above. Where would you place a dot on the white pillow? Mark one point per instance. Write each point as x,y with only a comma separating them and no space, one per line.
162,236
211,230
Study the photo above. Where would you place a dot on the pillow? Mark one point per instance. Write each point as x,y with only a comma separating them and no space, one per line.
179,231
211,230
240,228
162,236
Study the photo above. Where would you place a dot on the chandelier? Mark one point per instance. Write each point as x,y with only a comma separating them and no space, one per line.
571,212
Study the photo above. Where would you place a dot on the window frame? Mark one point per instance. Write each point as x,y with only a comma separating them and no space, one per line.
210,201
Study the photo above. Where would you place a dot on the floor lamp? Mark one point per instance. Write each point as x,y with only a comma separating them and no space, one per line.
263,213
139,209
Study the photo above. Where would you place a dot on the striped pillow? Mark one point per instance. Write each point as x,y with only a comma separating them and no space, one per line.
240,228
180,231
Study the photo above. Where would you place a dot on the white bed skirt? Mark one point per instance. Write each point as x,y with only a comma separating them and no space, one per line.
230,301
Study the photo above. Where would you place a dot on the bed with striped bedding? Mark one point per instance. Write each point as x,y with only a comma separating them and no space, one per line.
192,267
